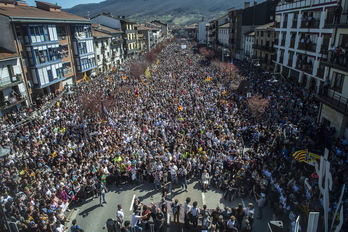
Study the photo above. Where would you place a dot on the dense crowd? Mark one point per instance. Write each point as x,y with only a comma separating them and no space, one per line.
172,126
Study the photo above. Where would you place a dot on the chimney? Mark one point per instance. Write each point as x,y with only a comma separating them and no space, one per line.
246,4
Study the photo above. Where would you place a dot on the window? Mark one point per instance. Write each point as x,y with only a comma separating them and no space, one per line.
49,74
338,82
82,47
10,70
39,34
60,73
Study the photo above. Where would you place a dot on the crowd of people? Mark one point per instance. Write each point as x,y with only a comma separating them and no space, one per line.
172,126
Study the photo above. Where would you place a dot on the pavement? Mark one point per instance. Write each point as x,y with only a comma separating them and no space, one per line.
92,217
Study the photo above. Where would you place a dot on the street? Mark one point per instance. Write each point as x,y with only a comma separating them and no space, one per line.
91,217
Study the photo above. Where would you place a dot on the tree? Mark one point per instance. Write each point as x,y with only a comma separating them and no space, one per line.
257,105
208,53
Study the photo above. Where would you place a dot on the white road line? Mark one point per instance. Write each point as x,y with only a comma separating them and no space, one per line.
203,199
243,202
131,206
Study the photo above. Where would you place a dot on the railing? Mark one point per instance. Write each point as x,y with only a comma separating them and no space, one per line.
12,101
292,44
320,72
304,67
333,62
129,31
333,99
310,23
4,82
67,71
307,46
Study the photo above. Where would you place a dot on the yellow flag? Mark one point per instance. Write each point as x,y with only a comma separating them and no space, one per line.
147,72
208,78
124,78
108,78
85,77
158,62
180,108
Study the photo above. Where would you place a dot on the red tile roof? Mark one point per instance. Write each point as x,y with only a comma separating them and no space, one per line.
25,12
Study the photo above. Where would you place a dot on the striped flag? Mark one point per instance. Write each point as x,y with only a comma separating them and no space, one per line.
305,156
111,122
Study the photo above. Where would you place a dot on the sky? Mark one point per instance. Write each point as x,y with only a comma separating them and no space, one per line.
64,3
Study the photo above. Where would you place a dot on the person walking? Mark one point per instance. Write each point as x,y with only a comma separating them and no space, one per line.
119,213
102,190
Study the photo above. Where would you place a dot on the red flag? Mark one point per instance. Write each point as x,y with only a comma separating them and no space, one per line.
188,61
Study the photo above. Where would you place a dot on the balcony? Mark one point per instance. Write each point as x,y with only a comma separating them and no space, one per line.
128,41
10,81
333,63
311,47
320,73
294,24
285,23
67,71
310,23
292,44
335,101
116,42
330,21
290,62
130,31
282,42
304,67
9,102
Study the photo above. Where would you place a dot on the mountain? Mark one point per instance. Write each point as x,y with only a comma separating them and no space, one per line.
179,12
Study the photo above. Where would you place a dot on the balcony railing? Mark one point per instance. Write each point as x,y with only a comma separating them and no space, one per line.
334,100
304,67
5,82
310,23
290,62
320,72
331,20
333,62
67,71
307,46
8,102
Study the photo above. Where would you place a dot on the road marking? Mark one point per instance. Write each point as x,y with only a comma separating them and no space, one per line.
243,202
203,199
131,206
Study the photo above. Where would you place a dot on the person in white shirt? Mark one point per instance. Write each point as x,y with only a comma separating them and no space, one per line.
135,221
119,213
173,173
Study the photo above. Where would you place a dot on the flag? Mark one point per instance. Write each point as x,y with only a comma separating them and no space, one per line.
180,108
108,78
208,78
305,156
85,77
111,122
158,61
147,72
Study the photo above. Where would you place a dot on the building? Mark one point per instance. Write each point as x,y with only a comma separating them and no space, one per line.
243,21
108,46
222,43
306,31
202,31
13,91
248,46
163,28
147,37
121,24
55,47
264,51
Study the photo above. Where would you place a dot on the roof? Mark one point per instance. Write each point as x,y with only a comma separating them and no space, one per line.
250,33
6,54
226,25
105,29
99,34
30,13
267,26
49,4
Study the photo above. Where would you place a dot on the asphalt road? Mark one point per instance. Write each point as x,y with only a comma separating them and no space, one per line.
91,217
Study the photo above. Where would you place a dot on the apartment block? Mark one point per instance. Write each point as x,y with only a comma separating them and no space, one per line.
312,45
55,47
